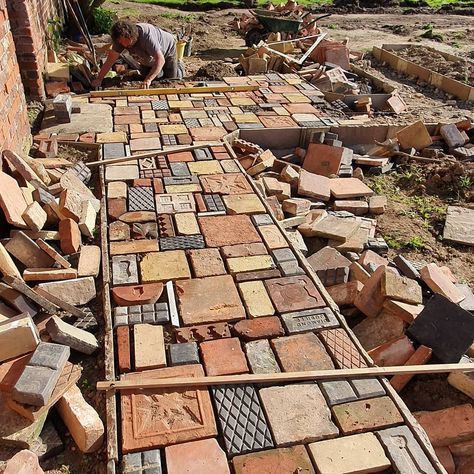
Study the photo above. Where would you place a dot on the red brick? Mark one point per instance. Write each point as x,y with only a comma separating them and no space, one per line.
70,236
123,349
394,352
259,328
420,357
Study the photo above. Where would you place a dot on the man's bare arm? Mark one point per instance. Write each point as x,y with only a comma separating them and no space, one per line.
109,62
158,63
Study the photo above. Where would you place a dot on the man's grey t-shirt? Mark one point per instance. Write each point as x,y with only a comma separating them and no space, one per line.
151,40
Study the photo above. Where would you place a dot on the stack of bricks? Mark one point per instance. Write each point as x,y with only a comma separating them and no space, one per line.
14,127
204,282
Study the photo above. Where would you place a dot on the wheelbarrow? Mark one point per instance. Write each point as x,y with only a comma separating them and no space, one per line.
273,22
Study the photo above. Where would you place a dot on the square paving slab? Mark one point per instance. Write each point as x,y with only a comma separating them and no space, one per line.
220,231
297,414
208,300
155,418
294,294
163,266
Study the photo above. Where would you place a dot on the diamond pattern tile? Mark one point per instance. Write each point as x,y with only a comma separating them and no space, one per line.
341,349
159,105
241,419
141,199
182,242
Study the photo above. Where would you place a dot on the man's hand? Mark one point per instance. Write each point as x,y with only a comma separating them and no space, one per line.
146,83
96,83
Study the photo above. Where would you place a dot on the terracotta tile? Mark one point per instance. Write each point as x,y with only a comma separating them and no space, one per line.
223,357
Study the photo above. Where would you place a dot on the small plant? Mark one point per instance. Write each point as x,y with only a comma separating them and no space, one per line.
103,20
434,36
428,26
333,26
53,33
416,243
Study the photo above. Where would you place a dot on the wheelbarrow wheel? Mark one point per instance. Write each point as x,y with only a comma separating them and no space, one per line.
254,36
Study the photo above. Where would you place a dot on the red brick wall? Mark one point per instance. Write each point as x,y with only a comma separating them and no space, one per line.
14,126
29,24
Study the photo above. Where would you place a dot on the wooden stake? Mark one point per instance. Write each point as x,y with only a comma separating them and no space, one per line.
283,377
140,156
172,90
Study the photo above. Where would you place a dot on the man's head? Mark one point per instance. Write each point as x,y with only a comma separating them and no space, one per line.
124,33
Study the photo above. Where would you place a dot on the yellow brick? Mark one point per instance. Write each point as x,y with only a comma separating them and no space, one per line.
256,299
205,167
243,204
249,264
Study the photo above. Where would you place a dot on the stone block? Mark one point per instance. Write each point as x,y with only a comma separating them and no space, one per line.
366,415
256,300
87,219
301,352
124,270
272,237
149,347
349,455
210,299
18,335
119,231
377,204
367,388
337,391
148,462
401,288
458,226
260,357
186,223
223,357
82,420
163,266
243,204
294,294
23,462
28,252
297,414
76,292
314,186
344,294
117,189
38,380
309,320
294,459
415,135
34,216
89,261
439,283
296,206
370,299
405,311
77,339
184,415
70,236
394,352
206,262
196,456
445,327
184,353
449,426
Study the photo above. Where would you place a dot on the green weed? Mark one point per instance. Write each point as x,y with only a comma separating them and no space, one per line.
415,243
103,20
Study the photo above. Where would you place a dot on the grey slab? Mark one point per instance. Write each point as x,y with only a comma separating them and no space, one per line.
406,267
250,126
377,245
178,180
445,327
459,225
214,202
141,198
283,255
367,388
150,127
202,154
146,462
182,242
291,268
184,353
261,219
82,171
35,385
87,322
261,357
404,451
124,270
468,302
180,169
113,150
337,391
75,338
53,356
241,419
309,320
333,276
157,313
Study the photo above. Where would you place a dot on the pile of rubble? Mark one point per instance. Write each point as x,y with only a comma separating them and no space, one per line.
402,312
48,271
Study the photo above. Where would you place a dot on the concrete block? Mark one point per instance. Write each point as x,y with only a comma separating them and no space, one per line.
75,338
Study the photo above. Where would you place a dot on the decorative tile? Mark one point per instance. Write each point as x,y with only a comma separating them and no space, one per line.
261,219
145,230
241,419
141,199
159,105
148,313
147,163
82,171
309,320
182,242
166,226
202,154
342,349
191,122
204,332
180,180
179,168
171,203
213,202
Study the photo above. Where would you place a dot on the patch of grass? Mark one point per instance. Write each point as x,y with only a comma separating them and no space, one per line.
333,26
415,243
217,3
178,16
